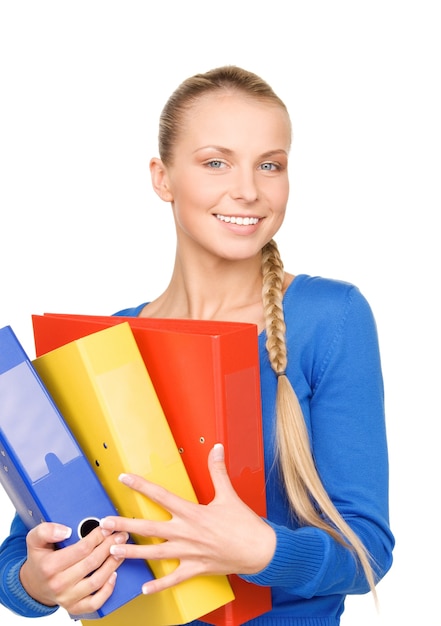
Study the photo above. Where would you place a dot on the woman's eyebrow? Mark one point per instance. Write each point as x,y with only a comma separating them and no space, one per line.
229,152
271,153
222,149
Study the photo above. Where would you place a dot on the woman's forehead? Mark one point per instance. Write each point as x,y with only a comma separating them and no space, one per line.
223,112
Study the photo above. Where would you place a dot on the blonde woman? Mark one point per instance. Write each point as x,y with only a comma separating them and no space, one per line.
224,144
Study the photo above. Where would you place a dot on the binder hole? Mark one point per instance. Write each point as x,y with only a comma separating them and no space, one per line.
97,463
201,439
181,450
87,525
105,445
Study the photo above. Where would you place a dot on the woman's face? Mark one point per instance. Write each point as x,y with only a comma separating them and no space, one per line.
228,181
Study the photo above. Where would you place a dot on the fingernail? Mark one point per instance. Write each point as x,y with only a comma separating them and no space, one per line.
112,579
218,452
121,538
62,532
117,550
106,523
145,589
126,479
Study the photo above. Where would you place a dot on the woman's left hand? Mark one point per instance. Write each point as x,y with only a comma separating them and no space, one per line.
222,537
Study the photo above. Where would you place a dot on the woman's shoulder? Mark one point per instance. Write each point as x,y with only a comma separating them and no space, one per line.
323,298
319,287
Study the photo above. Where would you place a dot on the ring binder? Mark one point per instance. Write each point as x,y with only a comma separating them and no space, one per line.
43,470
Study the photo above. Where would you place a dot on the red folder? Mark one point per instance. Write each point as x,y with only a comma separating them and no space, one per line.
206,376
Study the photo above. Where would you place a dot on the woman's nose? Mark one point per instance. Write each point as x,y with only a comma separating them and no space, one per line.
244,186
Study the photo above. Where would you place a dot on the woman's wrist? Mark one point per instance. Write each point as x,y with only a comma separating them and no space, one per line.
31,590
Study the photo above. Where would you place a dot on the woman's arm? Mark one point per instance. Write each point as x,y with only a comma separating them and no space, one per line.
339,379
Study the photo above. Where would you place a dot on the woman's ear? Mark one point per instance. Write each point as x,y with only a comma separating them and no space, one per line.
160,180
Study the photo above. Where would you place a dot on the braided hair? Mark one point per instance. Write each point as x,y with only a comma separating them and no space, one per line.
308,498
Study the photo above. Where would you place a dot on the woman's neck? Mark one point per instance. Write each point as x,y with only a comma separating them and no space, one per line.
225,291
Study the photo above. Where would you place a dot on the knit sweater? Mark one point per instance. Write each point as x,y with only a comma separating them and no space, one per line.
334,366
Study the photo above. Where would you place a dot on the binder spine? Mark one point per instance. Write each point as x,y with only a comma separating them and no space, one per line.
43,470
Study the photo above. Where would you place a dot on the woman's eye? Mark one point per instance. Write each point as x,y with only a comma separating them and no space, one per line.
269,166
215,164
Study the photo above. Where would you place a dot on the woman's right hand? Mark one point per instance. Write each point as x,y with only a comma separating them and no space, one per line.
79,577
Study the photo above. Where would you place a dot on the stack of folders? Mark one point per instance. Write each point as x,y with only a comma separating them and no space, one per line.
204,377
103,389
44,471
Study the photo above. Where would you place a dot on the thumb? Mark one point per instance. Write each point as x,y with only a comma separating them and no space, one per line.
48,533
218,471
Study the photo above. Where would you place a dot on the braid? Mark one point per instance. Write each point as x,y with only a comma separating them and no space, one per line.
308,498
272,269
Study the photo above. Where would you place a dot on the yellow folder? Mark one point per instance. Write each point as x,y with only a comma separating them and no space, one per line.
102,387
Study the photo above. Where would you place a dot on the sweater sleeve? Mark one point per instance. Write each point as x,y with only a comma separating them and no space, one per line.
12,593
344,411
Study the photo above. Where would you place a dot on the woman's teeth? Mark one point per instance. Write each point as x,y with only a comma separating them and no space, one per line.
242,221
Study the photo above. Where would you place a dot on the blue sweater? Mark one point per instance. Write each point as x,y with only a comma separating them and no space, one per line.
334,366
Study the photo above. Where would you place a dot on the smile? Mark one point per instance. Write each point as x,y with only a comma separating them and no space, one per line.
241,221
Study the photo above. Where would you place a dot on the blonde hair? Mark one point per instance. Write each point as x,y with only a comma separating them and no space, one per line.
227,79
308,499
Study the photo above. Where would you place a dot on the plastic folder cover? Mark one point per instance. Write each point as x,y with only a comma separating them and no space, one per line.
43,470
103,388
206,376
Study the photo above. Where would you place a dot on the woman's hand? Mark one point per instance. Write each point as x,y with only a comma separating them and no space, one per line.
79,577
222,537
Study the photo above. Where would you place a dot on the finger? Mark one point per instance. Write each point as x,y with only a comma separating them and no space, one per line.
153,491
97,578
147,552
47,534
218,472
92,602
169,502
178,575
89,554
83,557
89,576
135,526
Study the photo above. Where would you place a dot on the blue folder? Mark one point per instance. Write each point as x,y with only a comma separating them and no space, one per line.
44,471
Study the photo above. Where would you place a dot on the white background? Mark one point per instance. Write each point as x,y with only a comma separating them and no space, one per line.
82,84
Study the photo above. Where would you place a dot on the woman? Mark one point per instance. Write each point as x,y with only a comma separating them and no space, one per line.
224,142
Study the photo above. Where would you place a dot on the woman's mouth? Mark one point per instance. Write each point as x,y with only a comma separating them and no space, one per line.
236,219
